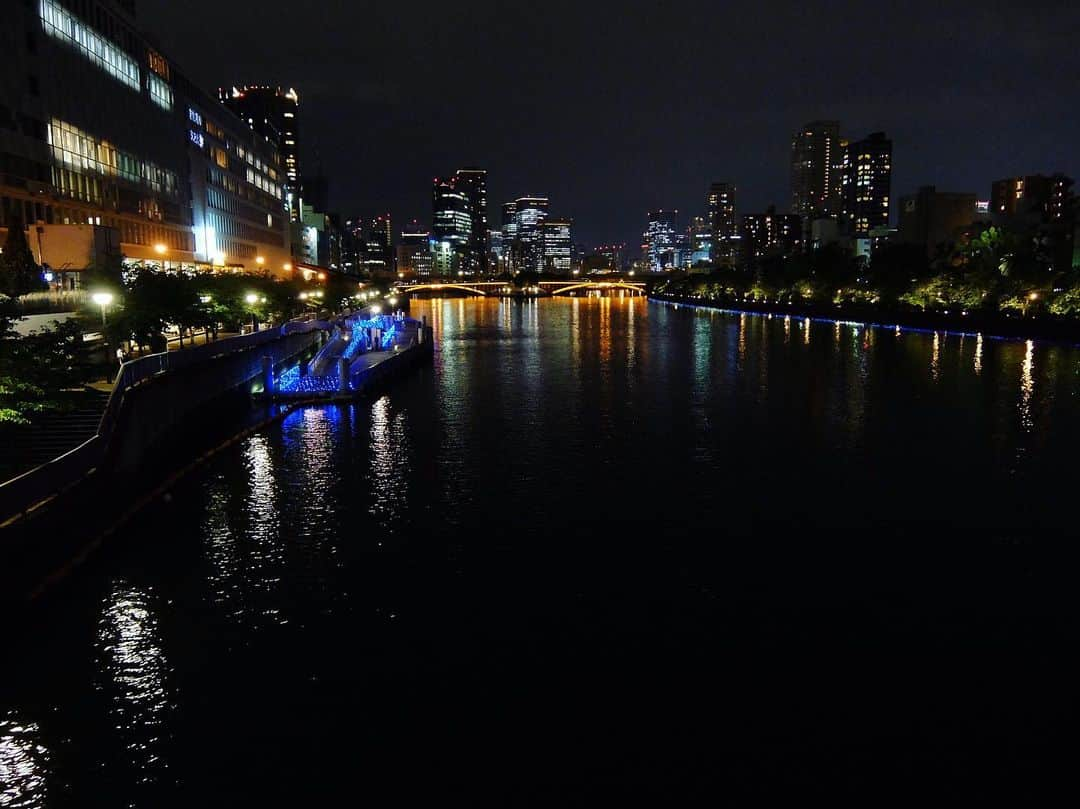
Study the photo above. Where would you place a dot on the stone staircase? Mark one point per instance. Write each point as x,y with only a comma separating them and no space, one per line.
52,435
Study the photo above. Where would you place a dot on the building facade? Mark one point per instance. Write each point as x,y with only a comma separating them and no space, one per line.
99,128
557,245
451,224
473,183
661,240
866,186
771,234
528,245
272,112
817,152
414,256
723,221
931,218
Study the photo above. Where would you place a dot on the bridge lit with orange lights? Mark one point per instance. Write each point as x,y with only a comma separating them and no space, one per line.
566,286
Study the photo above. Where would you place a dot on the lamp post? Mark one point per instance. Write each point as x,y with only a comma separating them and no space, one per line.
102,299
253,299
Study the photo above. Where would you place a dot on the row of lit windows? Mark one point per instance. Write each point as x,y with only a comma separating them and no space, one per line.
82,152
60,23
160,92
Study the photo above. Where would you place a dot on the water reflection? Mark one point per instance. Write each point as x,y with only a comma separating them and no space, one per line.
390,470
134,678
24,764
935,357
978,353
1027,387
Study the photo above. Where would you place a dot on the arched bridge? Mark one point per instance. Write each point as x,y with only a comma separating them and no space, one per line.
496,288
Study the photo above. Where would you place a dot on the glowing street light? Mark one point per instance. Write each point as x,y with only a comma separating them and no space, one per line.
392,301
376,309
102,299
252,299
160,249
260,260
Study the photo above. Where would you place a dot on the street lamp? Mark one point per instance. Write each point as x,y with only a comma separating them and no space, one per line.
252,299
392,301
102,299
160,249
260,260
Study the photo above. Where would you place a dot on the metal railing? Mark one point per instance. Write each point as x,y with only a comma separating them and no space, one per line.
22,493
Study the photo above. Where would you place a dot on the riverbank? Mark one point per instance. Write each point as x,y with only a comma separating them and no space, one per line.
1000,327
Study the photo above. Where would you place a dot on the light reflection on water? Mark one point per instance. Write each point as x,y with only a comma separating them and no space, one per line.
536,416
24,764
134,677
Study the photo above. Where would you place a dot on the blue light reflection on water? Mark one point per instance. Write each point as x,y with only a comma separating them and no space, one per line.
564,515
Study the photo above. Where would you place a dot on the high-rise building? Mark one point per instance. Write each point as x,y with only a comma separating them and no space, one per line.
103,140
930,218
611,256
451,224
529,215
723,220
508,236
867,183
557,245
414,259
660,237
701,240
771,234
353,241
817,154
272,112
379,247
473,182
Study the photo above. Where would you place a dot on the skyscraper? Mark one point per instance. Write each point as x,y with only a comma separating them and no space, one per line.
816,158
557,245
509,236
473,183
866,184
724,224
451,225
660,239
271,112
529,215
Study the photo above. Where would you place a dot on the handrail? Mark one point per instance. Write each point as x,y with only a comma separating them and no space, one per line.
19,494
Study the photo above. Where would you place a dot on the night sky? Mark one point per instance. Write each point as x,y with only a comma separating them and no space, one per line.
614,108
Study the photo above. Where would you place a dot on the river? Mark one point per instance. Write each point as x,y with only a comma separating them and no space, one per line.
600,549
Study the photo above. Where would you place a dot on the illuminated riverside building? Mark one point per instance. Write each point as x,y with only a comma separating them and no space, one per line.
472,182
414,254
817,156
701,240
770,234
451,226
661,244
272,113
528,248
866,185
509,236
153,166
557,245
723,221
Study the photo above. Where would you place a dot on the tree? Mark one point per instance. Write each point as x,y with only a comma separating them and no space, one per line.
37,371
19,273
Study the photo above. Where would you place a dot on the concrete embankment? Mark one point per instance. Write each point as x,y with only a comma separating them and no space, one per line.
151,397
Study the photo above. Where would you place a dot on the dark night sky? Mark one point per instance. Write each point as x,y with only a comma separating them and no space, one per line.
615,108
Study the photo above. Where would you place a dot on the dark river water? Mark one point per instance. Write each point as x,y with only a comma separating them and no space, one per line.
600,550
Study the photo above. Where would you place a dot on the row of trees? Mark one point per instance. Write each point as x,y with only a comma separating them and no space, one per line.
992,270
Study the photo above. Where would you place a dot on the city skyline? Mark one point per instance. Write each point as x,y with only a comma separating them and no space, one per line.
960,113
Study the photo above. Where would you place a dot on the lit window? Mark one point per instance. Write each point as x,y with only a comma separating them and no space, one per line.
60,23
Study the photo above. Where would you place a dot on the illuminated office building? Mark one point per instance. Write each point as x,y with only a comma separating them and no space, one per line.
661,242
817,155
529,216
723,222
153,166
272,112
557,245
451,225
414,257
473,183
